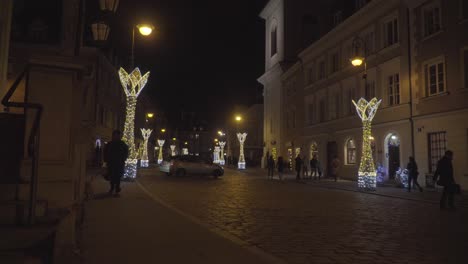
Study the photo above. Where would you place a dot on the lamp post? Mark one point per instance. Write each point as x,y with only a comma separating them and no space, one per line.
145,30
366,110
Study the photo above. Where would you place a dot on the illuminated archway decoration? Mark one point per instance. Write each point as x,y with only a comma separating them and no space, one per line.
173,150
146,133
216,152
241,163
367,173
160,156
132,84
221,156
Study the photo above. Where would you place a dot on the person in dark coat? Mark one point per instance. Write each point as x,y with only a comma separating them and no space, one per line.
298,166
271,167
444,173
115,154
413,173
314,166
280,165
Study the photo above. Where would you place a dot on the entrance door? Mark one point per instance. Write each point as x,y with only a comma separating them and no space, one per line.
332,151
393,160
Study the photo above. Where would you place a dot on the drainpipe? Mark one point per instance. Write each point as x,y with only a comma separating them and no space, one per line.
410,83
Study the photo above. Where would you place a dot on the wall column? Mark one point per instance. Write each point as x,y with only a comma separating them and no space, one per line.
6,7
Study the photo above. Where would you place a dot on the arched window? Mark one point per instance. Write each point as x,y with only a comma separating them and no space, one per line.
273,39
350,151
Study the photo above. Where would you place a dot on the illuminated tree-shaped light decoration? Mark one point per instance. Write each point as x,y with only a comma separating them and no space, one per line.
160,156
216,154
221,156
185,151
241,163
132,84
367,174
146,133
173,150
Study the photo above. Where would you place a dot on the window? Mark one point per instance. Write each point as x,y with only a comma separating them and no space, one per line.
335,61
350,152
310,113
369,40
437,145
337,18
321,73
390,31
369,91
322,111
273,39
393,89
431,16
465,67
435,79
310,75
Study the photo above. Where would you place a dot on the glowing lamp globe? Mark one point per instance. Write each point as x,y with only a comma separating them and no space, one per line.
357,61
145,29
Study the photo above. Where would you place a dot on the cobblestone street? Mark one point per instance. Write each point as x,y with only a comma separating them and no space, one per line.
305,223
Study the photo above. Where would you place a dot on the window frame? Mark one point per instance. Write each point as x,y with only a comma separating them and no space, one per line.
351,159
393,89
433,158
395,39
425,9
426,68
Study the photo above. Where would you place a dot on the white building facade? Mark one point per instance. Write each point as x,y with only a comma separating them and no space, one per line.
419,75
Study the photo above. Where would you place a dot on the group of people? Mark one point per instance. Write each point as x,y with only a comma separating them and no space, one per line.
302,168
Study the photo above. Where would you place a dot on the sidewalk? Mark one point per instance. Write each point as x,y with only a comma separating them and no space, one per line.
135,228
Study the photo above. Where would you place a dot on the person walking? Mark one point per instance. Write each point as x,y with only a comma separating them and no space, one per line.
298,164
335,165
444,173
413,173
115,154
280,165
271,167
305,169
313,166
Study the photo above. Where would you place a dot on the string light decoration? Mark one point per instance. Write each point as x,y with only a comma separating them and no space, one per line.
185,151
241,163
146,133
367,174
132,84
160,156
216,151
172,150
221,158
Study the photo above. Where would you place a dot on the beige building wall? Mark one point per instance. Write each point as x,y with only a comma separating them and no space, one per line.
5,24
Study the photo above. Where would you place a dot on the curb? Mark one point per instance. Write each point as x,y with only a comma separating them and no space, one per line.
214,229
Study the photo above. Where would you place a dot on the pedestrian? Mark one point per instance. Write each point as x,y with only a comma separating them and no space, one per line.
298,166
305,169
313,166
413,173
280,165
335,165
271,167
444,173
115,154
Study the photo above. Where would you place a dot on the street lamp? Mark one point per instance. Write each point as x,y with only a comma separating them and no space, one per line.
145,30
149,115
163,130
359,50
238,118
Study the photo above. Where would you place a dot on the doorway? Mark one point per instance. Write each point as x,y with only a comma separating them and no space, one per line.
392,144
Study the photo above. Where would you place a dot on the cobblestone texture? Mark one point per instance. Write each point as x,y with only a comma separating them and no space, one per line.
301,223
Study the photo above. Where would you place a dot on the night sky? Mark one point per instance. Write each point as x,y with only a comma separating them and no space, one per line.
205,56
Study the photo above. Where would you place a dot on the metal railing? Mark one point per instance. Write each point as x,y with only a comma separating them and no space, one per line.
34,136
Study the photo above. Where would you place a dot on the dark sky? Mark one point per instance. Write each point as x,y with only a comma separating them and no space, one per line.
205,56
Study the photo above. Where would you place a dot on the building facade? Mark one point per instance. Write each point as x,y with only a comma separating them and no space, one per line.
408,63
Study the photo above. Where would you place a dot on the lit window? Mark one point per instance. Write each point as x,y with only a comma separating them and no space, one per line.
431,17
393,89
435,78
350,152
390,30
